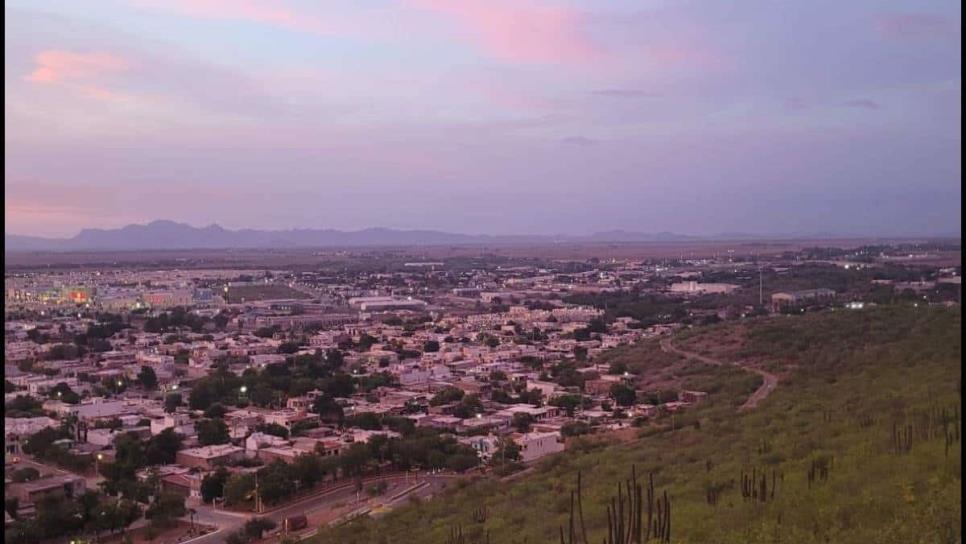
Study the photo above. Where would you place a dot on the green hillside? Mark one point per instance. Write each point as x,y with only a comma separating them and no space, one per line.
861,440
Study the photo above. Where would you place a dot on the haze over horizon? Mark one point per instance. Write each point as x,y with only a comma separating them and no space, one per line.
487,117
600,235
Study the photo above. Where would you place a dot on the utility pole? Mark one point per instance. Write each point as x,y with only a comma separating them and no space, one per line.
761,298
258,502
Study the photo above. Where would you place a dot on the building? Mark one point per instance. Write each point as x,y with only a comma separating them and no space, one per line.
797,298
384,304
535,445
208,457
695,288
64,485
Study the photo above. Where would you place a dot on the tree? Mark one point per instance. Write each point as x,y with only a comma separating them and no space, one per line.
569,403
166,508
213,485
24,474
431,346
163,447
462,461
216,411
64,393
506,450
339,386
148,378
288,348
446,395
622,394
171,402
276,481
522,422
355,459
575,428
366,341
469,406
212,431
328,409
273,429
617,368
239,487
307,469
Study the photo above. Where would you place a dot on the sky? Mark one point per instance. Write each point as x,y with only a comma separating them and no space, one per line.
485,116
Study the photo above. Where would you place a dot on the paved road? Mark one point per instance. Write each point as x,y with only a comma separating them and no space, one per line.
769,383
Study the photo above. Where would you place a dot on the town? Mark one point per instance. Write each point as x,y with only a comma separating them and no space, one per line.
230,404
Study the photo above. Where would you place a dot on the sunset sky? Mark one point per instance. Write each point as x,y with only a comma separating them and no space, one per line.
490,116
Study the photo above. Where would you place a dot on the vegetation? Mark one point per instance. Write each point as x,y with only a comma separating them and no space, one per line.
859,443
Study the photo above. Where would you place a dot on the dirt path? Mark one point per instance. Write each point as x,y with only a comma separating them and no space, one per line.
769,383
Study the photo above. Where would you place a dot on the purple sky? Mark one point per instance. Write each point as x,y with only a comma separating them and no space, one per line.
489,116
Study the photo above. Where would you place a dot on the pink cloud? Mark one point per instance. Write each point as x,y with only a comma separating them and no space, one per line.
258,11
519,31
55,66
78,71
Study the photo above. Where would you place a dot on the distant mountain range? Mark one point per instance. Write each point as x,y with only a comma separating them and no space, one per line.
161,235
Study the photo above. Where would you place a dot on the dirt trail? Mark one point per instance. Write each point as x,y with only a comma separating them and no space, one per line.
769,383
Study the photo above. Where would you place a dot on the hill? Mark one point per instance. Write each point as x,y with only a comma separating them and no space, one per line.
169,235
859,443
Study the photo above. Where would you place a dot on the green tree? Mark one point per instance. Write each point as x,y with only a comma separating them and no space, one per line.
355,459
273,429
213,484
211,432
522,422
328,409
163,447
148,378
24,474
216,411
569,403
171,402
446,395
166,508
275,481
506,451
622,394
238,488
307,470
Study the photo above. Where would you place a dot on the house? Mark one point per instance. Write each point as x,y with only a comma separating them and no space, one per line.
484,445
795,298
285,453
692,396
535,445
537,413
180,422
186,484
208,457
63,485
287,418
257,441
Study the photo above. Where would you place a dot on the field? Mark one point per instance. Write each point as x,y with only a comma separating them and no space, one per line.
298,257
859,443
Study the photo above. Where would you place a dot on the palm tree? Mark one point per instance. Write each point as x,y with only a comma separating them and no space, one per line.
69,423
